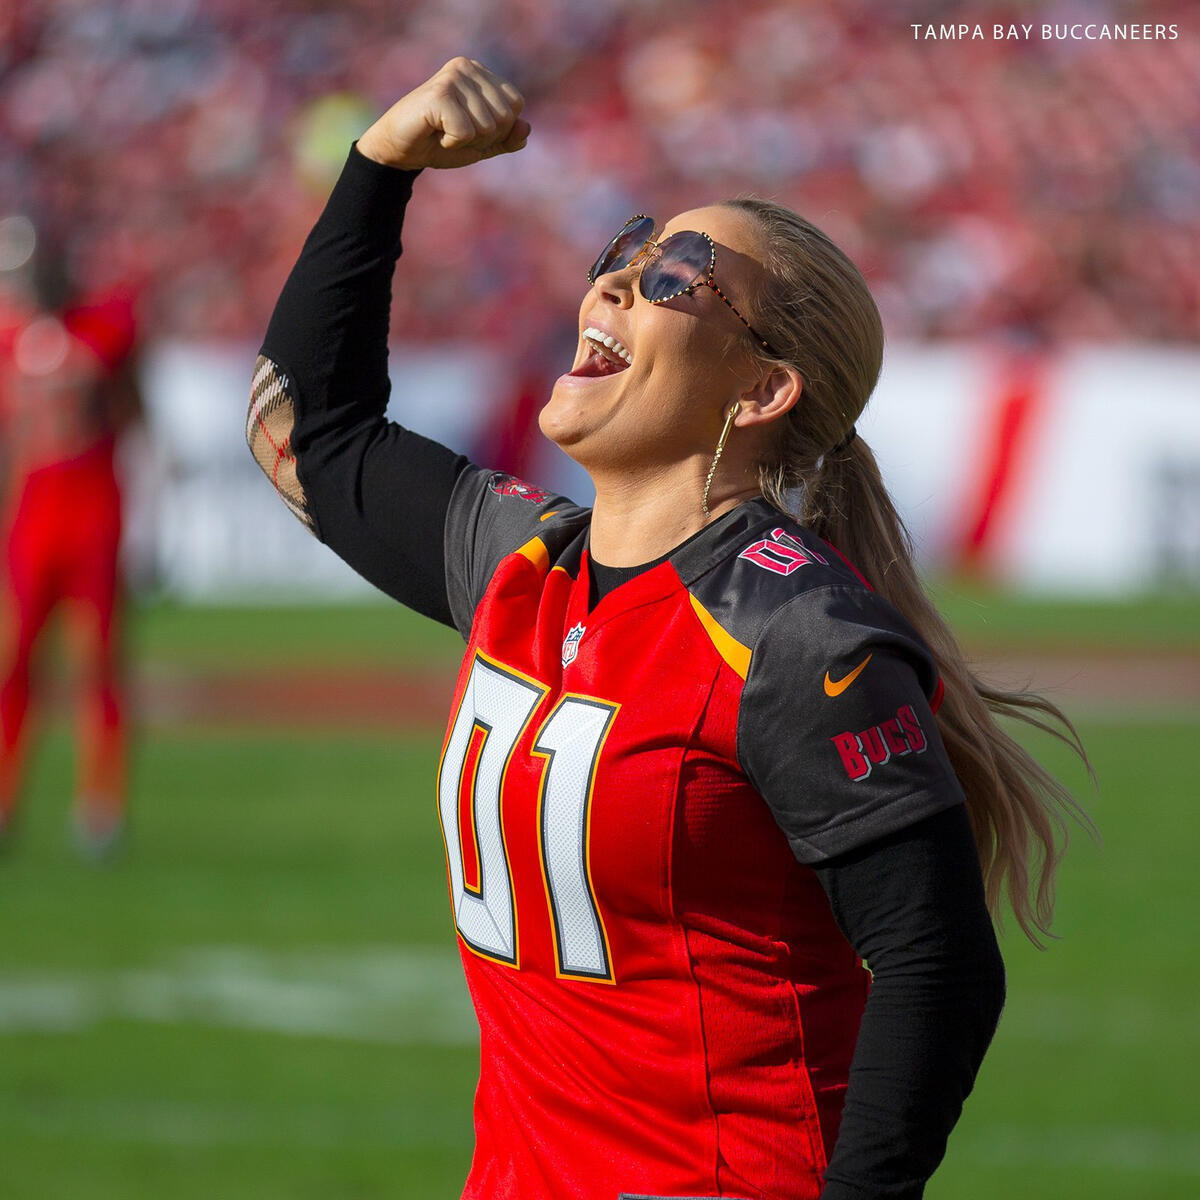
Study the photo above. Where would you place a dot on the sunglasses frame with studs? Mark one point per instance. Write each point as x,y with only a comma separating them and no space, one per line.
660,279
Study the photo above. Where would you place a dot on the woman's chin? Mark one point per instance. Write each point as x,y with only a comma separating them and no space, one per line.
563,418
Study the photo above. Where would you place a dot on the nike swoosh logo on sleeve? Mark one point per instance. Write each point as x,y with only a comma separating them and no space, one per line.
837,687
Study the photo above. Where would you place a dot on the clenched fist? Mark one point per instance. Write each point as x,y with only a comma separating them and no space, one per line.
463,114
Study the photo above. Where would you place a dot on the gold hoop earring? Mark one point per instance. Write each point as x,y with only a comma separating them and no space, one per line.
712,470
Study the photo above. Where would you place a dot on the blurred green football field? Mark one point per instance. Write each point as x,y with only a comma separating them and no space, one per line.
261,996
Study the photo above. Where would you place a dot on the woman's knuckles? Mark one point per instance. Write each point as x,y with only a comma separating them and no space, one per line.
441,123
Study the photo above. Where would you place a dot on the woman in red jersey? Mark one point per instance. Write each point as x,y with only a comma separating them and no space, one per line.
711,746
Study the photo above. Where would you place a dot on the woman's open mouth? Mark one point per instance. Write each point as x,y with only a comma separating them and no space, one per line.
607,356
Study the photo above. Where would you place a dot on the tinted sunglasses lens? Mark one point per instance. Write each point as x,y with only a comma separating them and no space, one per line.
623,249
683,260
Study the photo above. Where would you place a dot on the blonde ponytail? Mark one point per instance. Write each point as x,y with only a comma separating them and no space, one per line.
818,311
1017,807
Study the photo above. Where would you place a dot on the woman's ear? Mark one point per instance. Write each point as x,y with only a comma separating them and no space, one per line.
772,396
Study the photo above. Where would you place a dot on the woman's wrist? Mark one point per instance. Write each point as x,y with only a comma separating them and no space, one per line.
378,167
374,146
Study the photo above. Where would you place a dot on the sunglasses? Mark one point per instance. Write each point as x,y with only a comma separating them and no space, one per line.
677,264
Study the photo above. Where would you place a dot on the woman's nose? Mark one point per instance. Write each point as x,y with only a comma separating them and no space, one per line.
616,287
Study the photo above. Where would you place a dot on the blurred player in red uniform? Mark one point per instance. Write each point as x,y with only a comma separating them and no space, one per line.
67,390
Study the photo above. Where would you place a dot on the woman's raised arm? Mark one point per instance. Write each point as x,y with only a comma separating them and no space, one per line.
375,492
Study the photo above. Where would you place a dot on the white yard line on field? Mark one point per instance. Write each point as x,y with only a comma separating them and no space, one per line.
395,995
407,995
401,995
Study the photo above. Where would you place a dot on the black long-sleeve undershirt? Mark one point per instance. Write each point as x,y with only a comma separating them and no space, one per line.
376,491
911,904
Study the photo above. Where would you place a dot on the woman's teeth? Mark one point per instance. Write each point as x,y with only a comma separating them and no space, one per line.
607,344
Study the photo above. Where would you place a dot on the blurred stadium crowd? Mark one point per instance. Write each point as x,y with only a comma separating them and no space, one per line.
1048,189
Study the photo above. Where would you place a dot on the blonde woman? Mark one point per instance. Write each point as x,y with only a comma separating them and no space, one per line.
705,757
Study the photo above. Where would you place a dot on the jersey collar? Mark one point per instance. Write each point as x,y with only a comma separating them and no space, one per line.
712,545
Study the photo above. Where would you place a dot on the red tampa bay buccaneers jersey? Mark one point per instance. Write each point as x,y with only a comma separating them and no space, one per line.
630,797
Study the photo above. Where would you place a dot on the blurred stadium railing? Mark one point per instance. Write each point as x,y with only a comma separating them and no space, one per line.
1074,473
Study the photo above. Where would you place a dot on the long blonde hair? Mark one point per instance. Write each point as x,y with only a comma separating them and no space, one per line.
818,312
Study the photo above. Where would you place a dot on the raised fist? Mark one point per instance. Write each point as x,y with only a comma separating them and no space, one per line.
462,114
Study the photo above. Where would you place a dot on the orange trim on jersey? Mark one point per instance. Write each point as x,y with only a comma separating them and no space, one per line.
468,838
728,647
535,550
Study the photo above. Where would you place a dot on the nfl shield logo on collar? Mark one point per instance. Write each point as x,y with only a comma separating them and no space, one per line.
571,644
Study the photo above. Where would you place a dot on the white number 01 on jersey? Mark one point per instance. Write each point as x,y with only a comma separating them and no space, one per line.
496,708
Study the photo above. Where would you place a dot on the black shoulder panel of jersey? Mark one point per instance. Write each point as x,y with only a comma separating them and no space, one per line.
492,515
754,561
835,725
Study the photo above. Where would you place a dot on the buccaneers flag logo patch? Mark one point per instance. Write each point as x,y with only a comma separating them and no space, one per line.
510,485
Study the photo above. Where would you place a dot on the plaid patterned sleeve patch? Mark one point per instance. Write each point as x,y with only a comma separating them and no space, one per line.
269,435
